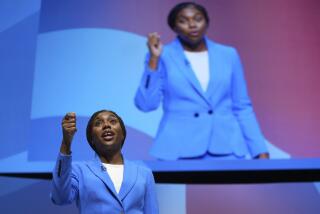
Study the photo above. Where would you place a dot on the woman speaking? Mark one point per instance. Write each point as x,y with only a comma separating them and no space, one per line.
109,183
201,86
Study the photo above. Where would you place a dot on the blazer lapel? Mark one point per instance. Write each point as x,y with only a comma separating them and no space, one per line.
130,175
100,171
184,66
212,67
216,66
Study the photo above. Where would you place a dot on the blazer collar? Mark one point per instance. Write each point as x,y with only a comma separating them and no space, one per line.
213,66
181,60
129,177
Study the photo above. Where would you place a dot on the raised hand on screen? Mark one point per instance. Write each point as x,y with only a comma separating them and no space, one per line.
155,49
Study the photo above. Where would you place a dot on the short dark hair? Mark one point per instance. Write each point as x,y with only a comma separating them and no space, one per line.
171,19
90,125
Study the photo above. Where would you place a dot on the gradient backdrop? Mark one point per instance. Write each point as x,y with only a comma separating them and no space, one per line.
85,55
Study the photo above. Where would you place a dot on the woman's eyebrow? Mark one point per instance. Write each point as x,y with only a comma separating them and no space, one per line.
112,117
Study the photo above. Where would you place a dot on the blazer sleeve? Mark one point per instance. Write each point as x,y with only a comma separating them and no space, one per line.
149,93
243,110
150,199
65,183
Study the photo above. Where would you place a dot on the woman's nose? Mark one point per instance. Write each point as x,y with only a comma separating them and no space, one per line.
106,125
192,24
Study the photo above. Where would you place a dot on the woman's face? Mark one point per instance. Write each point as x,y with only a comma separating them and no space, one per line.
107,134
191,26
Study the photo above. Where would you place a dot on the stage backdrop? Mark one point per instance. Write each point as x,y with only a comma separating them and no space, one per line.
85,55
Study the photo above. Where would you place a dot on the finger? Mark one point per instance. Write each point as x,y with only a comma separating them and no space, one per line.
156,38
70,115
70,120
68,123
154,42
151,40
153,36
156,34
71,130
65,126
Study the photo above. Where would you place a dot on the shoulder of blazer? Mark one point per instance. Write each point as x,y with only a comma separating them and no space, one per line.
141,168
172,47
135,165
222,48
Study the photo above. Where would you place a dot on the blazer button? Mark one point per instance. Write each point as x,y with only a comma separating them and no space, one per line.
210,111
196,114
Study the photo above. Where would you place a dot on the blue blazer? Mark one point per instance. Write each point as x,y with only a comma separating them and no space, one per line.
90,186
220,120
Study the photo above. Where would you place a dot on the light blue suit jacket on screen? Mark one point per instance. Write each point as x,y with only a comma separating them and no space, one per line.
220,120
89,185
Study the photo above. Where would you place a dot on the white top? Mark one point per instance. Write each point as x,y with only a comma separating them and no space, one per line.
115,172
200,65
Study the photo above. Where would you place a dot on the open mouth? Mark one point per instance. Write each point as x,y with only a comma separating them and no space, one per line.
108,135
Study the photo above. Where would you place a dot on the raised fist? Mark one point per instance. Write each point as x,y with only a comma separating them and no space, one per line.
69,128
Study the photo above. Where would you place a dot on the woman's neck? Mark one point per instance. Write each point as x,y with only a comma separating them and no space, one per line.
111,158
198,47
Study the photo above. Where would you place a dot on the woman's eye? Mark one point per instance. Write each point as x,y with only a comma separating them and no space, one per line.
113,122
198,18
181,21
97,123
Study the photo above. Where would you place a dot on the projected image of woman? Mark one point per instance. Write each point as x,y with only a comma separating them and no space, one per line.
202,89
108,184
